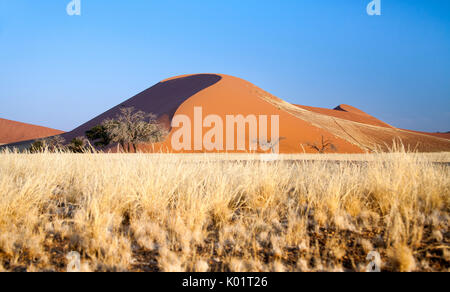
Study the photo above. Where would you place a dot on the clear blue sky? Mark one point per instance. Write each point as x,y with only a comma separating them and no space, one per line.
60,71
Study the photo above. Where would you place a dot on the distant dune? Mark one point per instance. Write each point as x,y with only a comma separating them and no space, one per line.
351,130
349,113
439,135
13,132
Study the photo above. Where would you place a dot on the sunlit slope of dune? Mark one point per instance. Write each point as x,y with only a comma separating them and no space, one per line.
361,129
13,132
349,113
350,129
234,96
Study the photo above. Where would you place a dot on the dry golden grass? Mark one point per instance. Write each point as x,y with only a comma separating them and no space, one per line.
143,212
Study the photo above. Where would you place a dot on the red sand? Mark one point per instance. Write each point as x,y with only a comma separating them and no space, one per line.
350,129
13,132
233,96
162,99
349,113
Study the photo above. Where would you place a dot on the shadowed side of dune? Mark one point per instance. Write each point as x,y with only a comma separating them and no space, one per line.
163,100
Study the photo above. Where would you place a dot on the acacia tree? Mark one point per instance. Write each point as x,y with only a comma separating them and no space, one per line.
323,146
132,127
147,132
117,132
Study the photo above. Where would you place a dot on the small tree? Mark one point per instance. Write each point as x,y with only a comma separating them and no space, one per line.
117,133
79,145
147,132
131,128
323,146
99,136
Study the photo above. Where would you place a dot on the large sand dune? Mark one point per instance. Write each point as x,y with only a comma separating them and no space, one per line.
350,129
13,132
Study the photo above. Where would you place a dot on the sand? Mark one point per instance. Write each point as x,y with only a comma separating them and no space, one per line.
163,100
350,129
349,113
234,96
13,132
439,135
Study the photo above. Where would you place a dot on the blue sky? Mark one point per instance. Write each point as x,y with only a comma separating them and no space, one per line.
60,71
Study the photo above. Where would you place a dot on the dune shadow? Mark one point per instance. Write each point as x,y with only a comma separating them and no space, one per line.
163,100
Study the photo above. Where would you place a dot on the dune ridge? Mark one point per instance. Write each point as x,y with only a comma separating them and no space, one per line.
162,99
439,135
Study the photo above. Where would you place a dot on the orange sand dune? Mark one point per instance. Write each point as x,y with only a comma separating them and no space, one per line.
349,129
234,96
13,132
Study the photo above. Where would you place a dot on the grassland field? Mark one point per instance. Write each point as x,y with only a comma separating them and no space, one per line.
161,212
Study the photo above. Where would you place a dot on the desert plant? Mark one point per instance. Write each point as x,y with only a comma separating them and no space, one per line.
55,143
52,144
79,145
99,136
132,127
37,146
147,132
323,147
